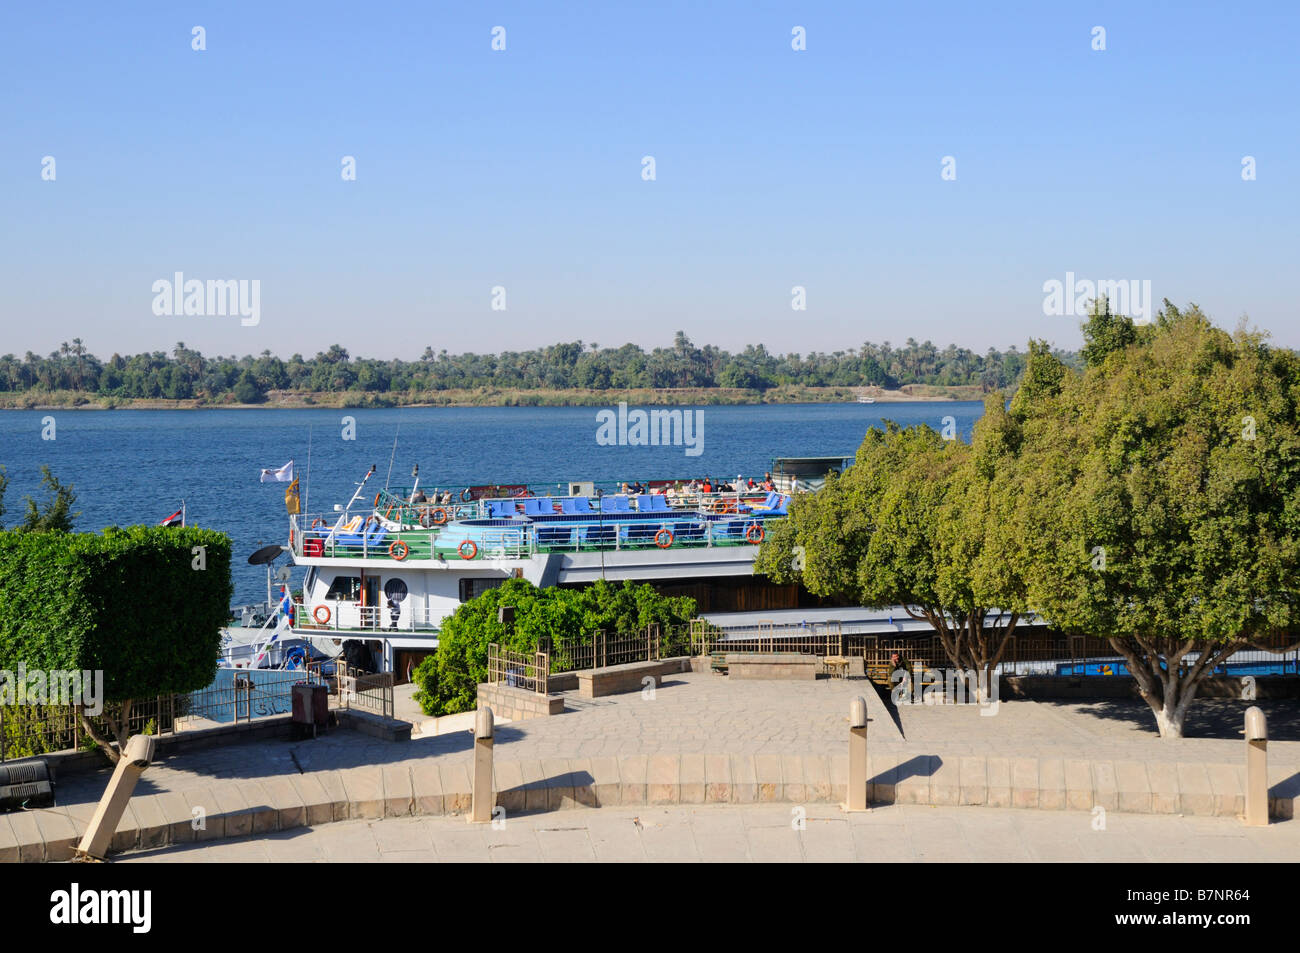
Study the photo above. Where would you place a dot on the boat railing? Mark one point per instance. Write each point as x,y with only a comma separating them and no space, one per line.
327,616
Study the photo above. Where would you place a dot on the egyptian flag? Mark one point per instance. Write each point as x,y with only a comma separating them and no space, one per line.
176,519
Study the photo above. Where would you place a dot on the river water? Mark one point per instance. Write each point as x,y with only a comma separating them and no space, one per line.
135,466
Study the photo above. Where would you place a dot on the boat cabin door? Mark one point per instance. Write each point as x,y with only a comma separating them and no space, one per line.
371,604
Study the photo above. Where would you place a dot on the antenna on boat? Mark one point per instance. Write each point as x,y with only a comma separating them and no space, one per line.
393,455
306,493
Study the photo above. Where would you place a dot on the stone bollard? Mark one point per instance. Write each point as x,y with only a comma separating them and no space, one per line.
482,804
1256,768
857,794
103,823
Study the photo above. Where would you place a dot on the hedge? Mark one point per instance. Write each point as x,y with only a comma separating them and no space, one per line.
129,602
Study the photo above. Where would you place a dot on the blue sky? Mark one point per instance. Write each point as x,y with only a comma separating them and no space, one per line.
522,169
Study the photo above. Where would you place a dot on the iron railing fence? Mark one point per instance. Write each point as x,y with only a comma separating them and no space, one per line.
365,691
1035,653
234,696
601,648
28,730
527,670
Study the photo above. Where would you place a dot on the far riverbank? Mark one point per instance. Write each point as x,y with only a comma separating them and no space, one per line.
503,397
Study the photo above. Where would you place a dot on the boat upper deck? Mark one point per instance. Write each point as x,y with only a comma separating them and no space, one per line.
525,526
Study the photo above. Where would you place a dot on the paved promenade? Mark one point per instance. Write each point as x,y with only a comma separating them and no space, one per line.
890,834
701,739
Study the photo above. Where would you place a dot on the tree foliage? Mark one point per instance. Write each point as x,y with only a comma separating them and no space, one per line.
1157,501
912,523
448,680
138,604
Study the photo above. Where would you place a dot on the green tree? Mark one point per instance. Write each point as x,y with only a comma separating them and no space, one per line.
247,390
136,604
908,525
56,513
1105,333
1156,498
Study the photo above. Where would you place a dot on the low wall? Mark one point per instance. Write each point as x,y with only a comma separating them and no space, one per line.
779,665
277,728
517,704
568,681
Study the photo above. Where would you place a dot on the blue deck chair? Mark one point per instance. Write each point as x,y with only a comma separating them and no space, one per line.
540,506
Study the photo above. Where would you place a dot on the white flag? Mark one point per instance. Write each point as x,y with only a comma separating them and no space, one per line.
282,475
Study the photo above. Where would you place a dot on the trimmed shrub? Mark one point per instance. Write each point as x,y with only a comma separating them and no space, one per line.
144,605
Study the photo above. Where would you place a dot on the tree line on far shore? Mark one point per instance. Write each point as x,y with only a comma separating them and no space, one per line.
186,374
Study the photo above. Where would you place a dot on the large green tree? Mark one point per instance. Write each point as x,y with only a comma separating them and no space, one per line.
910,524
1156,498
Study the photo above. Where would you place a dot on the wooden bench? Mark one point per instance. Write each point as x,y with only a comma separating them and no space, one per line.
617,679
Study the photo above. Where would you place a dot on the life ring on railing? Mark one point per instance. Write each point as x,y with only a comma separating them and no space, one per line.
317,523
466,495
664,538
377,496
398,545
754,533
439,516
315,614
473,549
724,506
388,513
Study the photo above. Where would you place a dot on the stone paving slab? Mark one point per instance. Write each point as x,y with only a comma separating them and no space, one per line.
762,832
701,741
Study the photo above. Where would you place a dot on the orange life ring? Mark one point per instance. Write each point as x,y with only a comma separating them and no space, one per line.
315,614
291,539
388,513
473,549
440,516
377,496
754,533
664,538
392,550
317,523
466,495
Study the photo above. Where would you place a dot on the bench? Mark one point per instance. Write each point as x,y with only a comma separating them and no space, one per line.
617,679
773,665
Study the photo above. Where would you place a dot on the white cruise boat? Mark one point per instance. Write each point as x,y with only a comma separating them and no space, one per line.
384,572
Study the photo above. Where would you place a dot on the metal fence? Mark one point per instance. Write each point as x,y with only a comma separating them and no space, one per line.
1036,653
601,648
371,692
28,730
527,670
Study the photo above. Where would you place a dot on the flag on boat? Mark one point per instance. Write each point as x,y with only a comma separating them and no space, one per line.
282,475
291,502
176,519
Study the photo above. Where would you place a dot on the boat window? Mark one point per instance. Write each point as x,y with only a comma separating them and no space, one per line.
469,588
347,588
